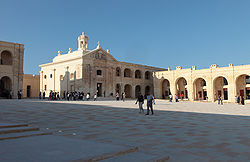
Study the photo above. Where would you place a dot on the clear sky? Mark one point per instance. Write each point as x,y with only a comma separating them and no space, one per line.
162,33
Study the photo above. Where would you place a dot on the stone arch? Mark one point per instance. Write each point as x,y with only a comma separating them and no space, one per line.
165,89
147,75
128,91
181,88
243,86
6,58
220,88
5,86
200,90
137,90
147,90
127,73
138,74
118,71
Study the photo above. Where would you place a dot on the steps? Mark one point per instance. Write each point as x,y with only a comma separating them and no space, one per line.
14,131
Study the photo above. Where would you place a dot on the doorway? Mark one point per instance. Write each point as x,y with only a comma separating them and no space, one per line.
99,89
28,90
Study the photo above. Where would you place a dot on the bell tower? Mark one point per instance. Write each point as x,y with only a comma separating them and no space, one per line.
83,42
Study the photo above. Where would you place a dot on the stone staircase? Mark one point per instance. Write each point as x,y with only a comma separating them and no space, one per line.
14,131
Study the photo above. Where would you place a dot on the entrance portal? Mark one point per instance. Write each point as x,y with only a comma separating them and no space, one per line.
28,91
5,87
99,89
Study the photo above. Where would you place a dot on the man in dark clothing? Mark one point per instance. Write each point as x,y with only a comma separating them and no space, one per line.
140,99
150,99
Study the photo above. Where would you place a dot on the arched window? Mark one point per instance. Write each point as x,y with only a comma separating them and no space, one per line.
147,75
6,58
118,71
138,74
45,76
127,73
51,75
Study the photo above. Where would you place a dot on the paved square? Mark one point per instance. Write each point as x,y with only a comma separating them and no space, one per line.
185,131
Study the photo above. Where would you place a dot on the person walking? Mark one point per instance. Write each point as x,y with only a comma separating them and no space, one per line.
95,97
176,98
123,96
170,98
150,104
242,100
117,96
88,96
140,99
220,100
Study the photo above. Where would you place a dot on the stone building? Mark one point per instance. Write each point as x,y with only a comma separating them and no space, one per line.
11,68
31,86
96,72
204,84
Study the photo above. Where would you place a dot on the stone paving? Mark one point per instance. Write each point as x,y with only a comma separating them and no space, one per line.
184,131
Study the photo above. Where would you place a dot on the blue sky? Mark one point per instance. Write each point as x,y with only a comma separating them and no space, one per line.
162,33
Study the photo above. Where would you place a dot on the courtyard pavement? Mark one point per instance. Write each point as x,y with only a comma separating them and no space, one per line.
184,131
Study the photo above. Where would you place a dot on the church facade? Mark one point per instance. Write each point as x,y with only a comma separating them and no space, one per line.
204,84
11,69
96,72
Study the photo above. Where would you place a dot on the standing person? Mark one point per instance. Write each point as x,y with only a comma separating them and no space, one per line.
58,96
176,98
238,99
170,98
95,97
123,96
220,100
40,95
242,100
140,99
83,97
117,96
43,95
87,96
150,104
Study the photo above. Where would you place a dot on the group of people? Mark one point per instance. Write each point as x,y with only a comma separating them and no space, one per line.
150,102
70,96
175,97
117,96
240,100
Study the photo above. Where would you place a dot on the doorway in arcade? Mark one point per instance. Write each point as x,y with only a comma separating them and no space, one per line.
99,89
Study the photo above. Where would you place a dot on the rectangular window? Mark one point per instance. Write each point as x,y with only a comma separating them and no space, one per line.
45,87
99,72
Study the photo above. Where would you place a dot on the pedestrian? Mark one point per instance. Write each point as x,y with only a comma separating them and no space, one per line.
154,100
87,96
95,97
170,98
43,95
176,98
40,95
150,104
220,100
123,96
140,99
117,96
238,99
242,100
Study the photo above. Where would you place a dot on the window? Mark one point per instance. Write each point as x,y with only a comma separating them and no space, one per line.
45,76
127,73
118,71
147,75
45,87
50,75
138,74
99,72
225,81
